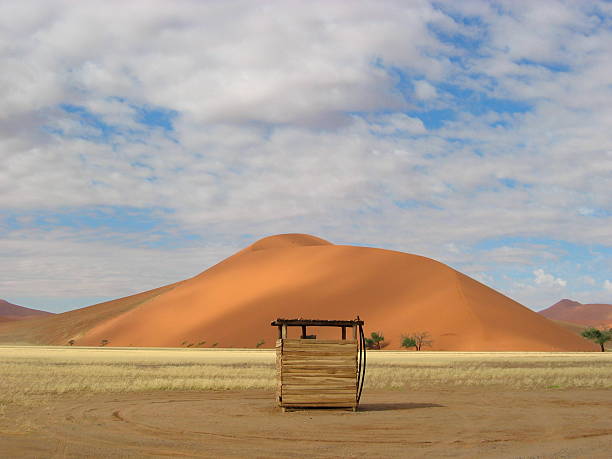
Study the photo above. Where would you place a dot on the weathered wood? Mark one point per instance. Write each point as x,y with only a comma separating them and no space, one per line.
343,333
331,381
347,357
327,379
319,357
288,347
289,378
310,403
346,353
310,365
320,389
316,399
315,403
313,398
314,372
317,342
306,372
313,365
317,323
339,350
341,353
299,406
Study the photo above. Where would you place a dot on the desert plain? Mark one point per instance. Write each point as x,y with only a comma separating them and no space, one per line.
60,401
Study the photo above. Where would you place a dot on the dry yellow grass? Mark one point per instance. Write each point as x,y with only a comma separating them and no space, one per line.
30,373
519,370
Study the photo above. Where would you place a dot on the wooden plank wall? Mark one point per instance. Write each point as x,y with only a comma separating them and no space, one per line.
316,372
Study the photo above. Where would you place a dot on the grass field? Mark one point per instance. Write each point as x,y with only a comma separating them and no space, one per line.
30,373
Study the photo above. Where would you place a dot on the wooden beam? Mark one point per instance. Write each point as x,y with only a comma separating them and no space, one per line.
284,332
343,332
354,331
303,331
316,323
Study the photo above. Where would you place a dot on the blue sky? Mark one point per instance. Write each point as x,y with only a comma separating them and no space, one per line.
139,149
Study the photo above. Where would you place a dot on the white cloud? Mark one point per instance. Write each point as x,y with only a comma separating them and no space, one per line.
424,91
607,285
548,280
397,123
588,280
77,264
284,62
519,255
291,117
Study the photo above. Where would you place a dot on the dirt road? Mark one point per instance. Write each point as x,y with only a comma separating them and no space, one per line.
447,423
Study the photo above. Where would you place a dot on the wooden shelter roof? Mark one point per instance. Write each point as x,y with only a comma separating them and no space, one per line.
316,322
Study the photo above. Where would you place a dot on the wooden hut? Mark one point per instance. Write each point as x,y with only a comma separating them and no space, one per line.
315,372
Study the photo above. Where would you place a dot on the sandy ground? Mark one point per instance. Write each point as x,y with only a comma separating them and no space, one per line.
448,423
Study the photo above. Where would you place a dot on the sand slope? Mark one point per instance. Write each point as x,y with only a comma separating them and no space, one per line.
60,328
597,315
574,328
10,311
233,302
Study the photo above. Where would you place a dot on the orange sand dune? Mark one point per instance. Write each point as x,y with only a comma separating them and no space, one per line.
597,315
290,276
60,328
574,328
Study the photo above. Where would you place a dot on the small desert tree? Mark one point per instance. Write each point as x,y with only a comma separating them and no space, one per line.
421,339
260,343
408,341
601,337
71,342
104,342
375,341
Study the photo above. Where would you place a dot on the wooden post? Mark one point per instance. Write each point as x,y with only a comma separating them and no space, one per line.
354,331
303,331
284,332
280,332
343,332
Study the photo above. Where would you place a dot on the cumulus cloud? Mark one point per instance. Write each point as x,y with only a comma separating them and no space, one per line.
276,62
424,91
588,280
396,124
548,280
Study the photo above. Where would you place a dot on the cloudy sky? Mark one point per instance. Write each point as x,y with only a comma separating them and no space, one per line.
142,142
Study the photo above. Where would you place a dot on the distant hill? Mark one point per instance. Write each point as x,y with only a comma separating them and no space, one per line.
594,315
296,275
10,311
